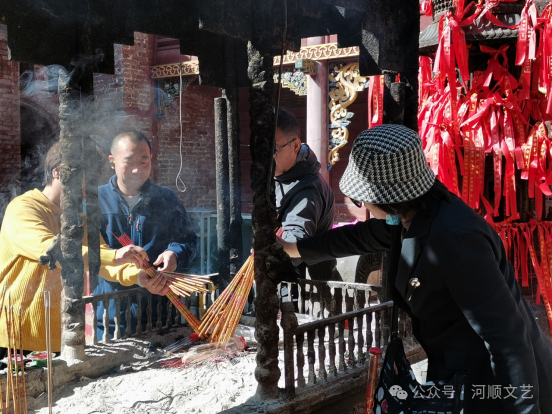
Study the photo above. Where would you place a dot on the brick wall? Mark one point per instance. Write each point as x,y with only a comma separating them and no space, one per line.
10,156
198,146
138,90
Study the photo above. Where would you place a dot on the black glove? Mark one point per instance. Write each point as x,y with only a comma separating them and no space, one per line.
53,254
279,265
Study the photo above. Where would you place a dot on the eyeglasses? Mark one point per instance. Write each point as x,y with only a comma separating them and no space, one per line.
356,203
285,145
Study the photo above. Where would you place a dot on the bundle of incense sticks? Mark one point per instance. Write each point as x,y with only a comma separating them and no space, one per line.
185,282
47,319
221,320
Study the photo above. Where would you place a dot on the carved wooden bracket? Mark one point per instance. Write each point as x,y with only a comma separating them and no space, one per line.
293,79
345,83
307,66
167,90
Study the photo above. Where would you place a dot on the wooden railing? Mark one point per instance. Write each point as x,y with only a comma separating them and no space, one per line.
134,326
318,298
324,345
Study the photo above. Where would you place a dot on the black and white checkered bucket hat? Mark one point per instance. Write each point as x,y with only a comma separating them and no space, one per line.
387,165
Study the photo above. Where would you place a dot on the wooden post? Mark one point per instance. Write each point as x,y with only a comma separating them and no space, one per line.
261,113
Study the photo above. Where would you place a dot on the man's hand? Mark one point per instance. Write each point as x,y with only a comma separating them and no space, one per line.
131,254
157,285
168,258
289,248
53,254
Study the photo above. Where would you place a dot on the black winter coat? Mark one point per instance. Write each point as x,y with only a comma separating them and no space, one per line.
467,312
306,207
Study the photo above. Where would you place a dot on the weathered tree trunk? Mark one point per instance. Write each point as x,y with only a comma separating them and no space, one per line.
261,113
72,308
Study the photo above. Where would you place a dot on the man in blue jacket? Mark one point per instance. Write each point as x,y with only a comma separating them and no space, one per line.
152,216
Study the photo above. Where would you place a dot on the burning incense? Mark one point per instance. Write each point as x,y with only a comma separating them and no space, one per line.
48,347
186,283
22,365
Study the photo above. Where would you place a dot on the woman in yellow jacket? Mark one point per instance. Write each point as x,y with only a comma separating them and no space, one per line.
30,224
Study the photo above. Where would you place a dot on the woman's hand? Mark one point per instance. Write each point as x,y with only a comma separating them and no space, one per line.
131,254
157,285
289,248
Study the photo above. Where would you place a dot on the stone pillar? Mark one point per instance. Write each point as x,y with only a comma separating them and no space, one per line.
317,110
222,185
263,217
235,243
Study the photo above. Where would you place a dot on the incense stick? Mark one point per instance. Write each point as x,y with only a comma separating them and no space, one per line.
22,364
48,347
17,401
8,369
1,394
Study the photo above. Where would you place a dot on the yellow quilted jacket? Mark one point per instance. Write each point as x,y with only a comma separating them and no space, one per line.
29,226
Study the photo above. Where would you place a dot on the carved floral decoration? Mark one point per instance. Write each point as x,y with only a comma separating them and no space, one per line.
345,83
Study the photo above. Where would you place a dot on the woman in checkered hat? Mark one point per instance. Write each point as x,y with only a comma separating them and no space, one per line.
447,269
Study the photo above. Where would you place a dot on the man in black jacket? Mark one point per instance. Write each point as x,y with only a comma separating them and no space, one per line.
305,201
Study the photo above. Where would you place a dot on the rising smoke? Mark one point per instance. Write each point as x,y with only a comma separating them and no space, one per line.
97,117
